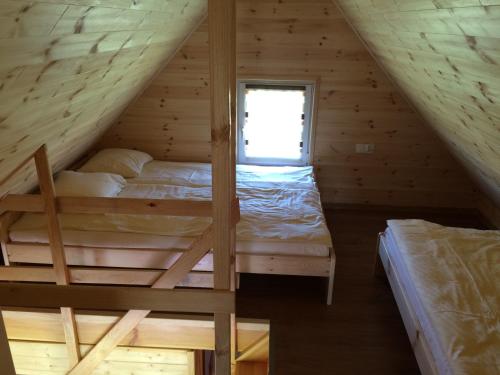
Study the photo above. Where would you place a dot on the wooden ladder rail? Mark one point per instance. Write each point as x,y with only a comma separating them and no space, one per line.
48,193
44,174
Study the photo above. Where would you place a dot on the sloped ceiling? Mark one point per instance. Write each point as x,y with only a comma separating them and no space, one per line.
357,104
445,56
69,67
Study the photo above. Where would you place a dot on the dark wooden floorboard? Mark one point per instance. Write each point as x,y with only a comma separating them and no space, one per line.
362,332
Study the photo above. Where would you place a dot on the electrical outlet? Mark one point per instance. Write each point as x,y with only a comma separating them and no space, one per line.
365,148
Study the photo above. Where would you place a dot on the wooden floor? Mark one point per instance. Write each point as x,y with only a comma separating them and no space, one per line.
362,332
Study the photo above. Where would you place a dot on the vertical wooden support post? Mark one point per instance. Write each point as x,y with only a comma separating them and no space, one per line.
6,362
47,190
233,143
221,15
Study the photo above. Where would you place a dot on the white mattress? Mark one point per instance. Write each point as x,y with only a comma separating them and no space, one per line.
277,215
451,277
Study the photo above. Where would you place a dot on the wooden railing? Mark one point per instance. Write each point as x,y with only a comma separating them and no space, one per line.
138,301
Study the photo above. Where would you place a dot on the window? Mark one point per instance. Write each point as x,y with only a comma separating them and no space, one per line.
274,123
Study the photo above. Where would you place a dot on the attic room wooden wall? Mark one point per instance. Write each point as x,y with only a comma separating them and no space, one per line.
69,67
299,39
445,55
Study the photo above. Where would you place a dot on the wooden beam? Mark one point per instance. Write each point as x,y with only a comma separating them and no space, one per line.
100,205
222,34
44,173
232,171
22,202
199,362
80,275
6,362
131,319
115,298
161,258
162,330
258,351
103,205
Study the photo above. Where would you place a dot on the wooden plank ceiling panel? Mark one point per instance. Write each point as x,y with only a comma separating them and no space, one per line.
68,68
445,56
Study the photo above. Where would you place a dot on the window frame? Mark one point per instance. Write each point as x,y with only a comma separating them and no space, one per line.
307,133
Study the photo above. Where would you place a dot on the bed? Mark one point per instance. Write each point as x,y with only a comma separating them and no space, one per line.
282,229
446,282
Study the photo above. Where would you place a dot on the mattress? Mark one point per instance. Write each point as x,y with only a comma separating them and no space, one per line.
277,216
451,277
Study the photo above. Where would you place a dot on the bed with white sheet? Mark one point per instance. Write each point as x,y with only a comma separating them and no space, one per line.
282,229
446,282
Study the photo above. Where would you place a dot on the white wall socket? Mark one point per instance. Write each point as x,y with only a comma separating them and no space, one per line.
365,148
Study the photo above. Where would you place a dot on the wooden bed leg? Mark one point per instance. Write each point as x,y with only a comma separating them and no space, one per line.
378,268
329,296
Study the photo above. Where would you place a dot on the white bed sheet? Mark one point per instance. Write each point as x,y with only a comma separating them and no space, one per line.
452,279
268,215
199,174
411,294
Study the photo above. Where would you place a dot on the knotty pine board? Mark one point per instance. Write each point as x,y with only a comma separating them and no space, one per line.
445,56
68,68
357,104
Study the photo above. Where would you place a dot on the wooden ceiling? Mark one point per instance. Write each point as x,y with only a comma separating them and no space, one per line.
445,56
69,67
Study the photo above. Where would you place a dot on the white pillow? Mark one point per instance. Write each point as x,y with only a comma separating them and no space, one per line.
127,163
76,184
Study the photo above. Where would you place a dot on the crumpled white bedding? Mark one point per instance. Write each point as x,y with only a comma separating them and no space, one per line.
456,274
269,212
200,174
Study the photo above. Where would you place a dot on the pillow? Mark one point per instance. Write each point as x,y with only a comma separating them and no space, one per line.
76,184
127,163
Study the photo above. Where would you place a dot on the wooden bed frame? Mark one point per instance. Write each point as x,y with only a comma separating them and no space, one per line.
419,343
105,265
29,261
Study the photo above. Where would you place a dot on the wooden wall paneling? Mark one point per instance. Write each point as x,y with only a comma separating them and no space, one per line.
34,358
67,69
357,104
444,56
